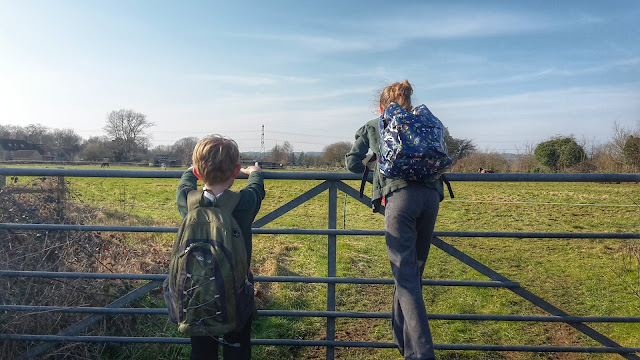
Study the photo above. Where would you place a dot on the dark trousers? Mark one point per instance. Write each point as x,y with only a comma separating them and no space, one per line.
410,216
206,347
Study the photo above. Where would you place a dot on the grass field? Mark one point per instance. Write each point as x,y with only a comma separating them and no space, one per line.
580,276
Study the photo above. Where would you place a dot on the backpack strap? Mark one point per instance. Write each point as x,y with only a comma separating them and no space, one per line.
228,200
365,173
193,199
446,182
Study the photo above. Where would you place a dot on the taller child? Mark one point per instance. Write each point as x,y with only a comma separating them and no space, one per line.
410,212
216,161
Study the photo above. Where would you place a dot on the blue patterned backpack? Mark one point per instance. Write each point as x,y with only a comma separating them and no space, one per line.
412,144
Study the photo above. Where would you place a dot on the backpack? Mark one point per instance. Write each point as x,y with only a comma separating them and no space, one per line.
209,288
412,144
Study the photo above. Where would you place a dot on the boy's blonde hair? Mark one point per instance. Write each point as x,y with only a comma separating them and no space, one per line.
215,158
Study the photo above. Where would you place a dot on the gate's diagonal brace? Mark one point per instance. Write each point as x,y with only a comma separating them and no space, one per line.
291,205
353,193
356,195
90,320
527,295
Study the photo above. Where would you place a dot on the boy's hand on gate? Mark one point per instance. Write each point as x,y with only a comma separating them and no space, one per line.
249,169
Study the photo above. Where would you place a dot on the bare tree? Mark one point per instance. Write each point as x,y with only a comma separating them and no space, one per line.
333,154
96,148
38,134
183,149
127,130
281,154
458,148
66,139
620,135
12,132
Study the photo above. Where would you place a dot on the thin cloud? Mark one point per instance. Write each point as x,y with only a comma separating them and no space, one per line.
582,111
603,68
255,80
505,80
445,23
625,63
315,43
260,101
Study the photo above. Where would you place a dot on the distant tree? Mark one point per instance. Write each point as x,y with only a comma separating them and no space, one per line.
126,128
631,152
281,154
5,132
301,158
39,134
13,132
333,154
311,160
161,149
559,153
287,153
183,149
66,139
291,158
458,148
96,148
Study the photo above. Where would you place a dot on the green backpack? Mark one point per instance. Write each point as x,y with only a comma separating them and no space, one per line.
209,289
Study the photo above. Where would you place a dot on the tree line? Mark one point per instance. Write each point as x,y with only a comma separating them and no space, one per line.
126,139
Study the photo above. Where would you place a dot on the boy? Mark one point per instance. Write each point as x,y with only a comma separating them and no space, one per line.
216,163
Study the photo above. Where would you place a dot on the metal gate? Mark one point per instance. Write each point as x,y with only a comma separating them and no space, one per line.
331,182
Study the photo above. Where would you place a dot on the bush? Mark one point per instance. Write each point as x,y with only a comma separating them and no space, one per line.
631,152
559,153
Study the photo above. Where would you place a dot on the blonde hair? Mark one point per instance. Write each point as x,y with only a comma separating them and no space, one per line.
215,158
399,93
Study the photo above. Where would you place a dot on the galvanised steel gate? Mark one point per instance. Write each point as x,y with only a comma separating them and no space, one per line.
331,182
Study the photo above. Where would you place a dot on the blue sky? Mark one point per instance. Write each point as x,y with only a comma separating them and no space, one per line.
506,74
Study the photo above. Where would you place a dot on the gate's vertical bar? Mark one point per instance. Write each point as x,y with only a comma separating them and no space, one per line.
331,267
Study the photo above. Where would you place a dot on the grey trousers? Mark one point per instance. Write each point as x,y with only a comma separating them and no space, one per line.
410,216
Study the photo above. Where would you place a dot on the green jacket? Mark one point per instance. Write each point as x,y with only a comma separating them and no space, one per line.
368,137
245,212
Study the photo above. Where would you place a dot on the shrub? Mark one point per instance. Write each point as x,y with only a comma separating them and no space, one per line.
559,153
631,152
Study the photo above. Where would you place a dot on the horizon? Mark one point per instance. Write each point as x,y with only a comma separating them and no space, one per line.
505,75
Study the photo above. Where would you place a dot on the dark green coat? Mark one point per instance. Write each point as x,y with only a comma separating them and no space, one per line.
368,138
245,212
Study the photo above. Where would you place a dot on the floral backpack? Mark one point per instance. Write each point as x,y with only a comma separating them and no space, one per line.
412,144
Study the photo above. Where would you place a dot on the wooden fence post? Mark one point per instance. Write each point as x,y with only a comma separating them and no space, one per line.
61,195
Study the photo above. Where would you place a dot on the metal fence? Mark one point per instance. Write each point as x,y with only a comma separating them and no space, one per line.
331,182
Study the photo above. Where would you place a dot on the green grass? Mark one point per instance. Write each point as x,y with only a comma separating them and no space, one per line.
580,276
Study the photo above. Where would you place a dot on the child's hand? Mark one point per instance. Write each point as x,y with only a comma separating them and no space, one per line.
249,169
